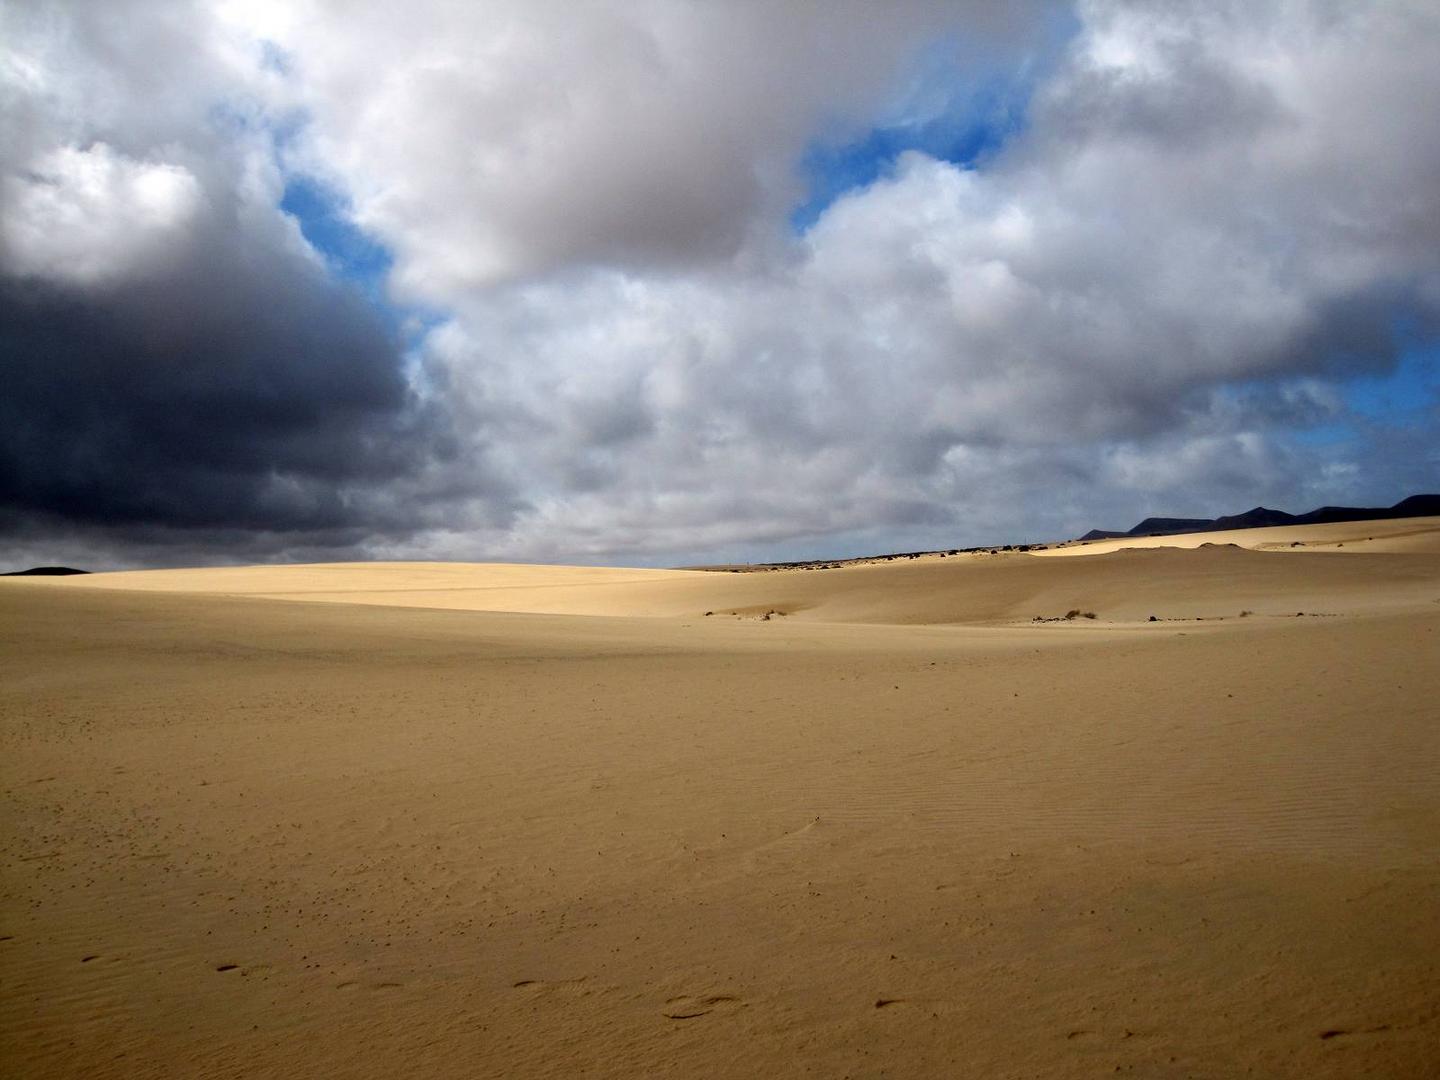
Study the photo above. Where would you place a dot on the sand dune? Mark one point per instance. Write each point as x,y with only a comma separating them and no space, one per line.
448,820
1417,535
1391,564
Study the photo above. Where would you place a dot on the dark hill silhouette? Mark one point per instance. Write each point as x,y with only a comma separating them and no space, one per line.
1417,506
45,571
1261,517
1156,526
1258,518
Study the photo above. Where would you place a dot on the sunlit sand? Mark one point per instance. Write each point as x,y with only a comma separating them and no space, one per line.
369,820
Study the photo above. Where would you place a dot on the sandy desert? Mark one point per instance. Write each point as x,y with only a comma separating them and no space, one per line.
890,819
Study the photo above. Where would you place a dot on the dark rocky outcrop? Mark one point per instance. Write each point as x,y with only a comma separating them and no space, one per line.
1261,517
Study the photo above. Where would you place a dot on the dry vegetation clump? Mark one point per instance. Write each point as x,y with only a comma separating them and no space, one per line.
1069,616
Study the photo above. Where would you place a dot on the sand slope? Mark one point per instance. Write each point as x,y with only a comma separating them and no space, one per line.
1394,535
901,831
1230,572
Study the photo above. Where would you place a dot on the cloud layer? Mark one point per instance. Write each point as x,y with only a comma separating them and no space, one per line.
602,338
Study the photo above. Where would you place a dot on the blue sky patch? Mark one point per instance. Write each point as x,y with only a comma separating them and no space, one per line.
1399,399
322,217
964,134
834,170
1412,387
959,107
274,58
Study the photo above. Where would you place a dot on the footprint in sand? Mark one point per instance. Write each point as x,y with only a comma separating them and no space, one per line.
689,1007
1335,1033
580,987
353,984
788,845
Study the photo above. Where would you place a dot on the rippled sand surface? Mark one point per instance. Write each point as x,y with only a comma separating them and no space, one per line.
447,820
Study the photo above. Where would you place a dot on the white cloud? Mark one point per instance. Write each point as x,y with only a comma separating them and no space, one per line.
1174,222
493,140
91,216
1210,213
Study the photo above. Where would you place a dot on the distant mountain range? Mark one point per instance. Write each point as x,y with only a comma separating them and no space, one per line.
1261,516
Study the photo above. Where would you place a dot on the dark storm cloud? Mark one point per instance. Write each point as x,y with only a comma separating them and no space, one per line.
239,388
181,372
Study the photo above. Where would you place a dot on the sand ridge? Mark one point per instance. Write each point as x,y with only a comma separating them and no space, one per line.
1418,535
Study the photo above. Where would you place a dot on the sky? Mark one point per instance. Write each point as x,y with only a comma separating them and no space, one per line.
664,282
